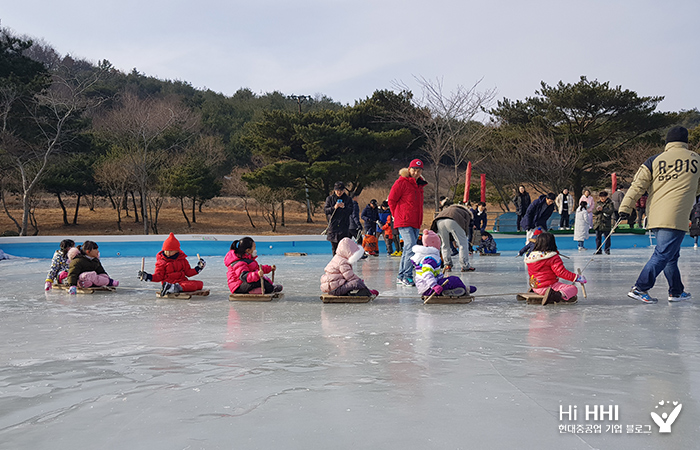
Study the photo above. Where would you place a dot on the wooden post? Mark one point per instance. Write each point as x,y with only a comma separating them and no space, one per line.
583,286
143,263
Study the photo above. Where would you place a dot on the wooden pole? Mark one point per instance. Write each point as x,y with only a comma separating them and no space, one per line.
433,294
583,286
143,263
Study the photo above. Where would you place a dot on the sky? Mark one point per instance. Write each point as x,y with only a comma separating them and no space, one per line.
347,49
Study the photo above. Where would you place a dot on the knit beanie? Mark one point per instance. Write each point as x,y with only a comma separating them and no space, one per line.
677,134
430,239
72,253
171,244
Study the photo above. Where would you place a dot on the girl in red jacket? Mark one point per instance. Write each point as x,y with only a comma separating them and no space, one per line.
545,267
173,269
245,275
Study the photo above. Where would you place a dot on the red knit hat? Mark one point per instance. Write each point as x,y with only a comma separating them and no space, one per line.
171,244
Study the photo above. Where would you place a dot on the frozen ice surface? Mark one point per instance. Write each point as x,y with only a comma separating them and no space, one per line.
125,370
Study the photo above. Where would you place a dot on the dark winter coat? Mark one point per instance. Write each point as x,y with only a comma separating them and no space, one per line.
480,219
460,214
521,202
602,218
81,264
338,219
406,200
173,269
355,218
370,216
537,214
695,220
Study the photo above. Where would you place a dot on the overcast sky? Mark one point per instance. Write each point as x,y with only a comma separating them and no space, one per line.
347,49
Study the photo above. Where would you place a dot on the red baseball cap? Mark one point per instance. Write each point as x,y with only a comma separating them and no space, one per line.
416,164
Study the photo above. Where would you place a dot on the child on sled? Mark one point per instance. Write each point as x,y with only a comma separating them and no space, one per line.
245,275
85,268
545,267
172,269
429,278
59,264
339,278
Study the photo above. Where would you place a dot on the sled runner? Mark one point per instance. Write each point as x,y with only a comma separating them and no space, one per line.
184,295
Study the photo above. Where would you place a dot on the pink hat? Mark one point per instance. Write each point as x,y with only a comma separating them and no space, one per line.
416,164
72,253
430,239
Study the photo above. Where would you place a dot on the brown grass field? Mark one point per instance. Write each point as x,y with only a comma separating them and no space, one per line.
222,215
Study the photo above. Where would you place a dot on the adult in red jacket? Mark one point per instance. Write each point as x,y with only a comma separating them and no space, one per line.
173,269
406,203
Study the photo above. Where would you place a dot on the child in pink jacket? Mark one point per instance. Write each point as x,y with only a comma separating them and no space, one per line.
545,267
339,279
245,275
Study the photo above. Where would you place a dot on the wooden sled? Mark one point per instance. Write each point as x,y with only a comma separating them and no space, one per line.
447,299
184,295
530,297
255,297
89,290
325,298
294,254
536,299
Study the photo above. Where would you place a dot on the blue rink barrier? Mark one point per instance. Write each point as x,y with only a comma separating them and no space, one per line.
219,245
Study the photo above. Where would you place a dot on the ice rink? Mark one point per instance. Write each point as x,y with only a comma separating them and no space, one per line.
125,370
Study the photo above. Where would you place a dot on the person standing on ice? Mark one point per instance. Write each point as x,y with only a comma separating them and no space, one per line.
538,214
672,180
406,202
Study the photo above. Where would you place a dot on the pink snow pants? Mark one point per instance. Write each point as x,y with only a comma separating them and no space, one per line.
89,279
567,290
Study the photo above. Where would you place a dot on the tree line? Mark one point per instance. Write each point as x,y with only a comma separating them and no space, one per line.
70,127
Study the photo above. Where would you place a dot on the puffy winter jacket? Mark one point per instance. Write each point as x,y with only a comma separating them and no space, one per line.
537,214
406,200
545,269
240,269
80,264
426,261
672,179
339,270
173,269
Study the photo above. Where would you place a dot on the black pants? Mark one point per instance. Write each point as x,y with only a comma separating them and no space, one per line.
564,220
246,287
517,224
599,237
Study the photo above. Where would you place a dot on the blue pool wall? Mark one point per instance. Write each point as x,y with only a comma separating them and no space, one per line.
218,245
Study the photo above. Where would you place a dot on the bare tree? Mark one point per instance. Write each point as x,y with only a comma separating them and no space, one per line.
446,122
236,187
50,113
137,125
116,176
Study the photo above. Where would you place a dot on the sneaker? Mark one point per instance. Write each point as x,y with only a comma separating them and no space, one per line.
468,269
409,282
277,288
399,280
642,296
683,296
456,292
374,292
448,269
571,300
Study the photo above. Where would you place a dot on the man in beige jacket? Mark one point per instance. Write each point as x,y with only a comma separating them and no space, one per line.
672,180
